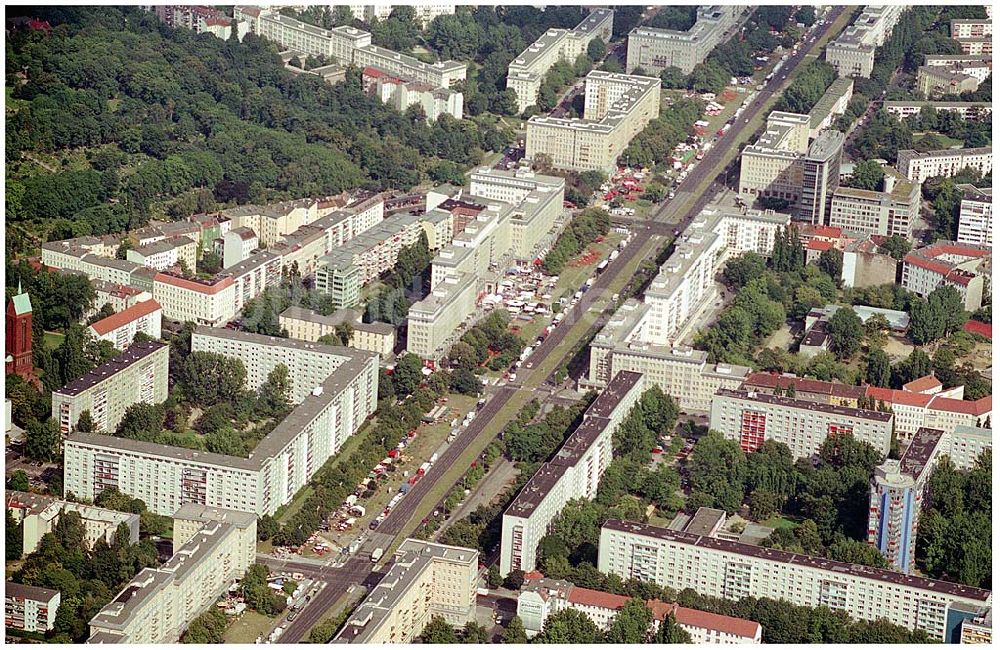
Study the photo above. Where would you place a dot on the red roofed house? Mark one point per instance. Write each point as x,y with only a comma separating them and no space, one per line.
935,409
815,248
121,328
541,598
928,384
963,266
982,329
811,390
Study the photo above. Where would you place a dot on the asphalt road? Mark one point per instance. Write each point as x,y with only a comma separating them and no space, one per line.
359,569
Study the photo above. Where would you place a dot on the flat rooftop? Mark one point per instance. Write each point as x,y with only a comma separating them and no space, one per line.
790,402
135,353
774,555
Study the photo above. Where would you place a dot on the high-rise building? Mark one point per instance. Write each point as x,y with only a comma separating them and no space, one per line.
139,374
574,473
424,581
975,217
889,211
852,54
724,569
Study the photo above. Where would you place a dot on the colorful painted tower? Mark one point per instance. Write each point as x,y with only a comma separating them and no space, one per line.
18,358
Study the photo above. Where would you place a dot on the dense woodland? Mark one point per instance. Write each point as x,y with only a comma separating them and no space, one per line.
149,118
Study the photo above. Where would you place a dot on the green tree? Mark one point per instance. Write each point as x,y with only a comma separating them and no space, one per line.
742,269
207,628
853,551
475,633
407,374
596,50
514,580
208,378
274,395
14,536
670,632
717,467
831,262
877,370
141,421
85,424
42,440
18,481
569,626
631,624
867,175
846,331
439,631
514,632
896,246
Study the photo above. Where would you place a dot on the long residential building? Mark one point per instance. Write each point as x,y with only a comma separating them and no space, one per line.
337,388
751,418
975,217
157,605
898,488
347,46
38,515
431,321
138,374
914,410
616,108
966,110
31,609
966,267
541,598
425,580
918,167
655,50
724,569
852,54
574,473
526,72
646,337
889,211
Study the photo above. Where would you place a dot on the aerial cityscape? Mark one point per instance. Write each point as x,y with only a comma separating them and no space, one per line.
498,324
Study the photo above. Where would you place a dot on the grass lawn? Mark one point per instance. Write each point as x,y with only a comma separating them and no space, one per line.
248,627
777,521
53,340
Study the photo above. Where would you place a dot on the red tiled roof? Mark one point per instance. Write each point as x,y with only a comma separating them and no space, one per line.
925,263
219,21
533,575
194,285
978,407
819,245
827,231
951,248
901,397
705,620
114,321
709,621
923,384
959,276
975,327
835,389
593,598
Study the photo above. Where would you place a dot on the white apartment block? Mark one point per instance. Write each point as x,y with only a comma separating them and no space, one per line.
426,580
971,27
32,609
852,54
199,301
309,364
119,296
977,67
527,71
975,218
192,517
918,167
433,100
311,326
431,321
542,598
38,515
347,46
537,201
425,13
889,211
731,570
165,253
654,50
574,473
832,104
617,107
966,110
120,329
158,604
963,266
751,418
137,375
373,251
168,477
237,245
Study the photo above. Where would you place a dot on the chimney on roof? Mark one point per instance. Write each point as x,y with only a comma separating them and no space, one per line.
890,182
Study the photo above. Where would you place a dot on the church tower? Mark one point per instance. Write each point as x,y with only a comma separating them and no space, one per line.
18,359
